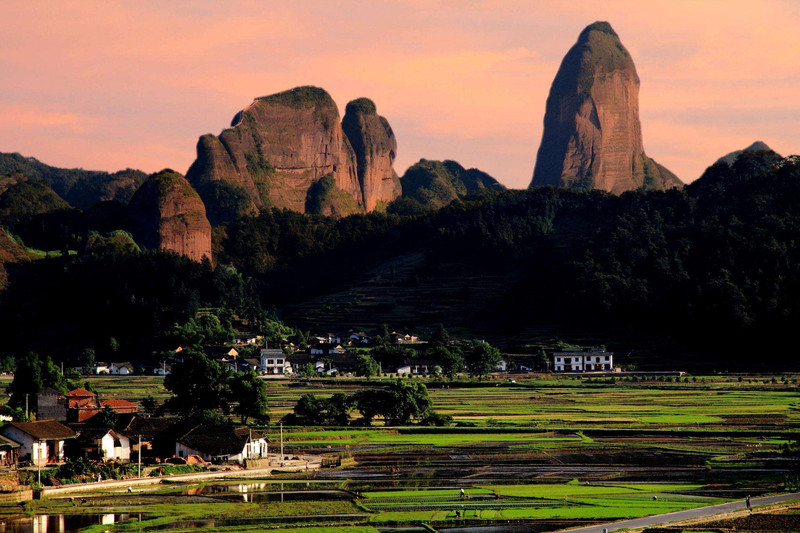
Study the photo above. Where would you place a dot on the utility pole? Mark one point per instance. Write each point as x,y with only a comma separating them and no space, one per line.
281,441
140,455
26,406
39,463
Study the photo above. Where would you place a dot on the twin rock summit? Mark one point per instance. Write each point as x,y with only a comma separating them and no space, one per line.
291,150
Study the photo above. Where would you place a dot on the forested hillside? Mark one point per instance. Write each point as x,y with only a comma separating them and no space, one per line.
706,275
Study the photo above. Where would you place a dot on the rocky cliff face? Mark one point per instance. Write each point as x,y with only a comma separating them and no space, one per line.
166,213
375,147
275,149
592,135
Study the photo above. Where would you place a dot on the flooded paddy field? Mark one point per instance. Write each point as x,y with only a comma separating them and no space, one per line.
537,455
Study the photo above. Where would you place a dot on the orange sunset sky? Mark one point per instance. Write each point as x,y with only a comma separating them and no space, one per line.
110,85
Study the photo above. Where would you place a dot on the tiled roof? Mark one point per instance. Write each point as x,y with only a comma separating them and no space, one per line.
44,429
218,440
117,402
80,392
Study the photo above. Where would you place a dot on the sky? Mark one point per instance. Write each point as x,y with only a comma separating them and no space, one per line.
112,85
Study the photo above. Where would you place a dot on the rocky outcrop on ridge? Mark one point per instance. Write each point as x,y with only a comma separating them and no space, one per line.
433,184
166,213
274,151
375,147
592,135
757,146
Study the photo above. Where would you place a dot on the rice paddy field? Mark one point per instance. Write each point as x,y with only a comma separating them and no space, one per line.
543,453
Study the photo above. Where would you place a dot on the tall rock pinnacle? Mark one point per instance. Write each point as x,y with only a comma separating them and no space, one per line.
375,146
592,135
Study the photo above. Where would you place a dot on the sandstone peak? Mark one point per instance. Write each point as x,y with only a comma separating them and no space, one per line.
274,151
592,135
375,147
167,214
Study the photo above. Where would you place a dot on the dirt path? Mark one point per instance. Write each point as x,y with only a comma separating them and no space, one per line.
699,512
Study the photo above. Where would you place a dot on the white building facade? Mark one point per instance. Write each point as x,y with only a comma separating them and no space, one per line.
583,360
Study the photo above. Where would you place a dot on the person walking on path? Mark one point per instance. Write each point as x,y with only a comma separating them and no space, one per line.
747,502
462,493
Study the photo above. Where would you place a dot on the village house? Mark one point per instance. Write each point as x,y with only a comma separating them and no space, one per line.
404,338
41,442
120,369
419,367
81,405
156,434
583,360
101,368
9,452
326,349
247,338
358,338
222,444
101,444
274,362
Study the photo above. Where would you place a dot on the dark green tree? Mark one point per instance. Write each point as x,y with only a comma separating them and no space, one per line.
309,411
338,407
440,337
482,359
27,382
405,400
366,366
198,384
449,359
250,393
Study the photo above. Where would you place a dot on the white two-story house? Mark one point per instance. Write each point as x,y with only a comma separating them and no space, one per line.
583,360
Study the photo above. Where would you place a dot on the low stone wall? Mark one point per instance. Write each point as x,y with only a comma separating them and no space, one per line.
16,496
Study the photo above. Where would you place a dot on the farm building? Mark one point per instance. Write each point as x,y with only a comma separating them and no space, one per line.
41,442
222,444
583,360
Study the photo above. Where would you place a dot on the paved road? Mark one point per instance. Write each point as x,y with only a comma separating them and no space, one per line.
699,512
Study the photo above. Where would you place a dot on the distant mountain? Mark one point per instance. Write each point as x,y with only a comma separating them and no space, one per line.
25,199
592,135
433,184
280,147
10,252
755,147
81,188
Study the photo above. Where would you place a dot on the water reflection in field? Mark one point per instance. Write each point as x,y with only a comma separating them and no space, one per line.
59,523
269,492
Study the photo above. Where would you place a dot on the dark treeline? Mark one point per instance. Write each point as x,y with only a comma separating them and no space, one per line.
713,267
712,270
122,305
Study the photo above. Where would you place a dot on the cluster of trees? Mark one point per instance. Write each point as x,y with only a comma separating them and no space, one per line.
122,306
478,358
397,404
33,374
201,388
